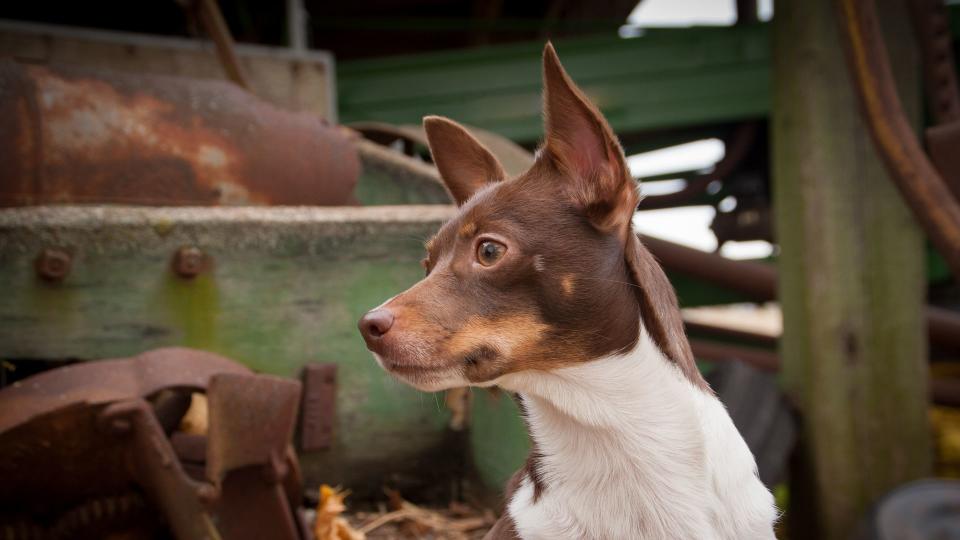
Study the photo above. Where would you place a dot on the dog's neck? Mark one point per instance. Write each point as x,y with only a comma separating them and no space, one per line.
607,392
620,448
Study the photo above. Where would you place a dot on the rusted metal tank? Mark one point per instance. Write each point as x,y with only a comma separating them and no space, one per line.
82,136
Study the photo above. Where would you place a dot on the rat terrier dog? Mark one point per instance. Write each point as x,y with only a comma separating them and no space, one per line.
540,286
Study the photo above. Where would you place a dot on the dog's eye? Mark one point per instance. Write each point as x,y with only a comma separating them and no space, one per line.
489,252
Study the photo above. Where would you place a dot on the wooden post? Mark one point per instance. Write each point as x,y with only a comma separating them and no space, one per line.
851,277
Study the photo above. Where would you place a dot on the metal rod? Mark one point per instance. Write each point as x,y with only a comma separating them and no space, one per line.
720,352
297,25
219,32
758,281
737,148
943,391
747,11
943,327
763,340
931,23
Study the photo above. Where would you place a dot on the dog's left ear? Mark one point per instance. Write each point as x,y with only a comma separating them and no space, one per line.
581,144
465,165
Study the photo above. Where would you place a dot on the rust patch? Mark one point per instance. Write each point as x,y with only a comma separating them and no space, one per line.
81,136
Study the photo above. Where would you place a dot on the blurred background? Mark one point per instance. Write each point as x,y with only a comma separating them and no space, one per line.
198,200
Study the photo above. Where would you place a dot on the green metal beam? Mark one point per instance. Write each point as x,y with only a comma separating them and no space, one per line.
664,79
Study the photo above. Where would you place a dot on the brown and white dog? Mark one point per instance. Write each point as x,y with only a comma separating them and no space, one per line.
540,286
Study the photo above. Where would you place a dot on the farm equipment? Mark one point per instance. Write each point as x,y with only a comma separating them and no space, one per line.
94,449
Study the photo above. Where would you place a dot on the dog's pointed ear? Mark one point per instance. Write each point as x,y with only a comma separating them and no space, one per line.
465,165
659,310
581,144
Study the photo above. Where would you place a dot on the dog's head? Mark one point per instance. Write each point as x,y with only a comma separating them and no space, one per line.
535,272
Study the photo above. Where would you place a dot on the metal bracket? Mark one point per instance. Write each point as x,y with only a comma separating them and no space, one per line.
318,408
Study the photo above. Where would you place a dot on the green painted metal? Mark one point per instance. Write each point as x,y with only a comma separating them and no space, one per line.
665,79
286,287
380,187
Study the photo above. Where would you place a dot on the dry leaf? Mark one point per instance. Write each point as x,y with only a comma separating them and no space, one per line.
413,521
329,525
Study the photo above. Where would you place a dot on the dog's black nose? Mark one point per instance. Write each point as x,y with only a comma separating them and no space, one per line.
375,324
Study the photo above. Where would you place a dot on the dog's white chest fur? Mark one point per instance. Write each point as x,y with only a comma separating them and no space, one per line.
631,449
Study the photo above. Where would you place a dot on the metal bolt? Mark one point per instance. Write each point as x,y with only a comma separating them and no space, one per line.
114,420
120,425
53,264
189,261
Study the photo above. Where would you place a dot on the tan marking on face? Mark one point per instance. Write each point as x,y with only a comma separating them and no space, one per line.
508,335
566,284
428,245
468,229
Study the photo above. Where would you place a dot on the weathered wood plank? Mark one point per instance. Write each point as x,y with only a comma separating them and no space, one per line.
851,278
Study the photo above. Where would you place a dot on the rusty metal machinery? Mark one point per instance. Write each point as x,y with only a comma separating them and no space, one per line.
932,24
82,135
92,449
923,187
758,281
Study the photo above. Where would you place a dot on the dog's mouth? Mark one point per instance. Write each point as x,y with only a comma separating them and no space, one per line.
435,357
429,378
402,368
479,355
440,375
